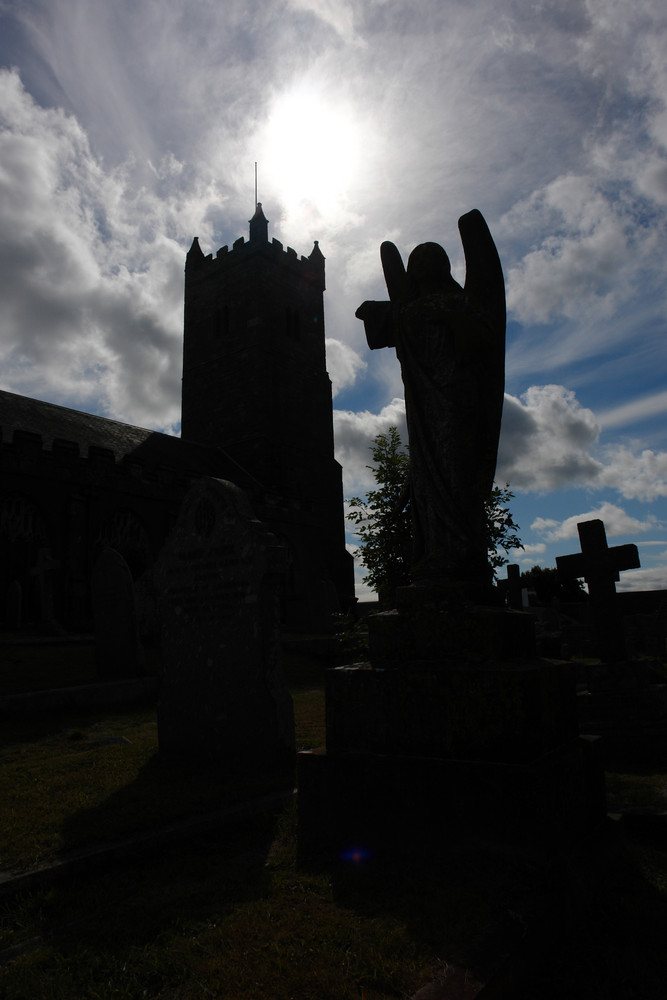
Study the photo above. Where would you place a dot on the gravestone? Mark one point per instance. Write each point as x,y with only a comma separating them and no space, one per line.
454,731
217,582
116,638
600,567
514,594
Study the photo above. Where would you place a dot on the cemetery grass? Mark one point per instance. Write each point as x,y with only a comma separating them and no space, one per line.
232,915
75,780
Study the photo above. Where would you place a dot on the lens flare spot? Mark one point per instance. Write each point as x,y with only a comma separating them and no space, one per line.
356,855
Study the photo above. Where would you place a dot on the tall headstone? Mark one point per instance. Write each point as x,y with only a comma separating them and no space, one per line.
217,582
116,637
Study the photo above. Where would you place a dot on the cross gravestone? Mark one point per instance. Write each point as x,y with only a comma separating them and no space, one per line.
217,583
116,637
600,567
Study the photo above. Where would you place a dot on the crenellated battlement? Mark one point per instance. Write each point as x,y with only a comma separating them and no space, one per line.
311,268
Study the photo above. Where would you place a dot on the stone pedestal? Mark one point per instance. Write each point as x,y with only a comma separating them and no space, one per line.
453,732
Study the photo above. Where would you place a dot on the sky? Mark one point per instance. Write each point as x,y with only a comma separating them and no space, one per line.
127,128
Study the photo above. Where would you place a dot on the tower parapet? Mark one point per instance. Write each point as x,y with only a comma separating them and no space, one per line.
311,267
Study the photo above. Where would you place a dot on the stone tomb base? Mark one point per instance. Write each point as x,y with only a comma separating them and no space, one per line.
388,807
445,753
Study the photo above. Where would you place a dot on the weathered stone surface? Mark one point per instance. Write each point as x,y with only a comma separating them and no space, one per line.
223,696
495,711
473,634
391,806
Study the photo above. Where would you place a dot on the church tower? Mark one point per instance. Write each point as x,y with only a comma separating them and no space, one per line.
255,384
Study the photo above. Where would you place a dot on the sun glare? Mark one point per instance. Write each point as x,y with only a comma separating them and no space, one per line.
310,151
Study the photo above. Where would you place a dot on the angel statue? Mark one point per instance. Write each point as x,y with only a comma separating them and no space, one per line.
450,342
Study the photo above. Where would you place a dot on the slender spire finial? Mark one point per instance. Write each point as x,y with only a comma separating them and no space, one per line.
259,226
255,183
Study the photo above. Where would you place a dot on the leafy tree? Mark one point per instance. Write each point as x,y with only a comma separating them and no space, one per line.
384,523
501,527
544,580
383,518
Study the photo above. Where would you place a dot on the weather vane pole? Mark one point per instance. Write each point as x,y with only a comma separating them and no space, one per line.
255,183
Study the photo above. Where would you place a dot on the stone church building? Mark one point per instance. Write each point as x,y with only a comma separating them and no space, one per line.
256,410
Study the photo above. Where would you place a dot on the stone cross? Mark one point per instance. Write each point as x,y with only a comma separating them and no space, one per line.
600,567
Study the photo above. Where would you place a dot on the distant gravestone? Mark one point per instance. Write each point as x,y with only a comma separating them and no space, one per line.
217,580
515,599
600,567
116,639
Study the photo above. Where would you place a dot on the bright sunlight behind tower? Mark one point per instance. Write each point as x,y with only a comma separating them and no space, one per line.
311,150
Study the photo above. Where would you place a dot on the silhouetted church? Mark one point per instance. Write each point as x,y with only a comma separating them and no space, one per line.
256,410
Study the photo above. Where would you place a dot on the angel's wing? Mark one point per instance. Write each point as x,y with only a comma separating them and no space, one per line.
394,272
484,274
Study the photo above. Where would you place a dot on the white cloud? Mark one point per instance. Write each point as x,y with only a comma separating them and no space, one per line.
616,522
546,441
654,578
91,271
343,365
339,14
581,260
636,410
538,548
354,434
529,555
549,441
640,476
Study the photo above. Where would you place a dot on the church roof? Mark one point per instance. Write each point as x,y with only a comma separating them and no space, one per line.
23,418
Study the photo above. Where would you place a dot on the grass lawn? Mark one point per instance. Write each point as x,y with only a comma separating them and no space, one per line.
70,781
230,915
